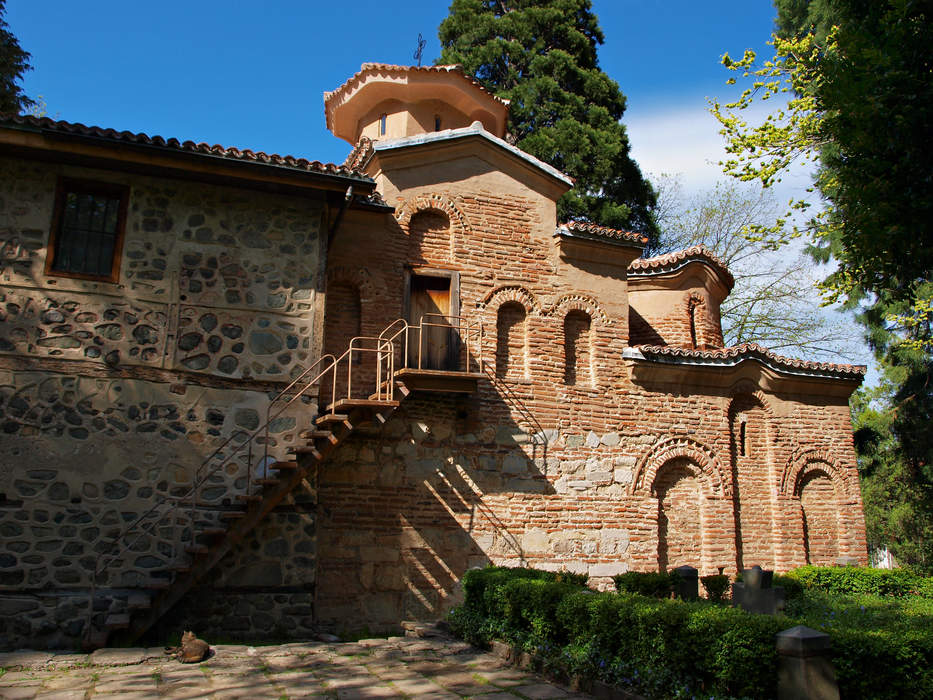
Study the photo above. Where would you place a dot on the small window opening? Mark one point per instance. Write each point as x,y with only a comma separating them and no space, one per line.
87,230
692,311
437,122
382,124
742,438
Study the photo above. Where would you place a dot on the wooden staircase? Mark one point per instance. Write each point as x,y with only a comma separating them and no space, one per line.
329,431
207,546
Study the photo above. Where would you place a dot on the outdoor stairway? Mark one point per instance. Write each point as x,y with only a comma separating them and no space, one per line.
331,429
208,545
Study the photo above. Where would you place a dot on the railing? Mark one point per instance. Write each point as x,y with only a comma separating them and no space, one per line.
170,509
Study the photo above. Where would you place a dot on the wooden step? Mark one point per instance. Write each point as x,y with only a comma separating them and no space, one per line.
232,515
284,466
159,585
334,418
355,404
319,435
308,450
117,622
180,568
248,497
214,531
196,549
266,481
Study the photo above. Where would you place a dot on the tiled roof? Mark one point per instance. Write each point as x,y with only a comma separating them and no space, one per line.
360,154
387,67
172,144
589,230
746,351
475,129
676,260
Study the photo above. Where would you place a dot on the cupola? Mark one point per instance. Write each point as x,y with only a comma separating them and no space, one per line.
388,102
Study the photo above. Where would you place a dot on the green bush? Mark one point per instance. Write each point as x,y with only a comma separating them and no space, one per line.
855,580
652,585
715,587
881,647
792,587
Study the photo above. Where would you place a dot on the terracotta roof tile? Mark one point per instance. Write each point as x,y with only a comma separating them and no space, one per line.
172,144
357,158
453,68
595,231
673,261
746,351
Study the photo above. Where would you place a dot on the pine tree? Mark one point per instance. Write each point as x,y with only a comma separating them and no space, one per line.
13,63
541,55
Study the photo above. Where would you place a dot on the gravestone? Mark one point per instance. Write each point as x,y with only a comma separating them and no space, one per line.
804,669
687,583
756,594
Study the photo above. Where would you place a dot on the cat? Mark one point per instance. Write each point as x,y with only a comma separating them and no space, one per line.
192,649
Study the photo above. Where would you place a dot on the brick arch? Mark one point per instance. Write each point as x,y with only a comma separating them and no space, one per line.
513,292
358,277
804,463
715,476
459,224
749,388
578,302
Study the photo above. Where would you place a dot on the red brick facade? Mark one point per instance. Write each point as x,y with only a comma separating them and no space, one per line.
570,456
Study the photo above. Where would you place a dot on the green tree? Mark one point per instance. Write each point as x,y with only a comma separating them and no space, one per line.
774,302
858,73
541,55
14,62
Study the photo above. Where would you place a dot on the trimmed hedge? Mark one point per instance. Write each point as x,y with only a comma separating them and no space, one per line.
859,580
882,648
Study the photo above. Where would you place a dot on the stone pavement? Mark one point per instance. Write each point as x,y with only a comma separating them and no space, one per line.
372,668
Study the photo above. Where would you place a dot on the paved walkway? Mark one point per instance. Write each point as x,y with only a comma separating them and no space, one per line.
372,668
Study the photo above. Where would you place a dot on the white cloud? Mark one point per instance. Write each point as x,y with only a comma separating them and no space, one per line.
685,141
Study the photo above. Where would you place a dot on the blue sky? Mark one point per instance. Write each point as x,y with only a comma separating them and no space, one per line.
251,74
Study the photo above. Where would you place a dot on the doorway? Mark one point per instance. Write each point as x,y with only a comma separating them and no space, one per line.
434,293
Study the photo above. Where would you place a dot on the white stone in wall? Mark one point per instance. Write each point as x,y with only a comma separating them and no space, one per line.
597,570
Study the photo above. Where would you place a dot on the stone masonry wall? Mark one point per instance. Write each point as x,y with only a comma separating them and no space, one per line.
113,395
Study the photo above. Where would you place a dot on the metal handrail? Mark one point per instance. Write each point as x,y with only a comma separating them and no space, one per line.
385,346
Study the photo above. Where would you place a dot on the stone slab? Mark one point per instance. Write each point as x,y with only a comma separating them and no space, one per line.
117,657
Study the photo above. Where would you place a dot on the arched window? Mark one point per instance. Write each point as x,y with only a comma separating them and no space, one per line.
577,349
692,318
751,492
429,237
382,124
820,518
511,345
680,515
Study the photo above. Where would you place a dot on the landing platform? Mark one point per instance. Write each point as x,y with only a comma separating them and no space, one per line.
437,380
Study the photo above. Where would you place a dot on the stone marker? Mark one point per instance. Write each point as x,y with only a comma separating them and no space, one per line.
804,671
756,594
687,583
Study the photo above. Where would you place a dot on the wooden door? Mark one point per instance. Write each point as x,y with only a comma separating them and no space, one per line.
430,295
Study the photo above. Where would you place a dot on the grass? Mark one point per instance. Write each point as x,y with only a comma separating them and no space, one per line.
2,671
157,676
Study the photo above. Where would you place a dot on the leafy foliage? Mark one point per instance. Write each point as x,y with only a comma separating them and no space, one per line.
541,55
651,584
14,62
858,74
774,302
672,648
715,587
862,580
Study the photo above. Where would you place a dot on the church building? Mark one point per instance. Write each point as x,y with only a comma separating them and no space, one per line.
260,396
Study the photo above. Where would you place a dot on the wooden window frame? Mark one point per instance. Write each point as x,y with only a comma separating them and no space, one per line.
92,187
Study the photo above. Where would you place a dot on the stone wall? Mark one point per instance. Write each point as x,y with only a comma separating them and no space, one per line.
112,396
